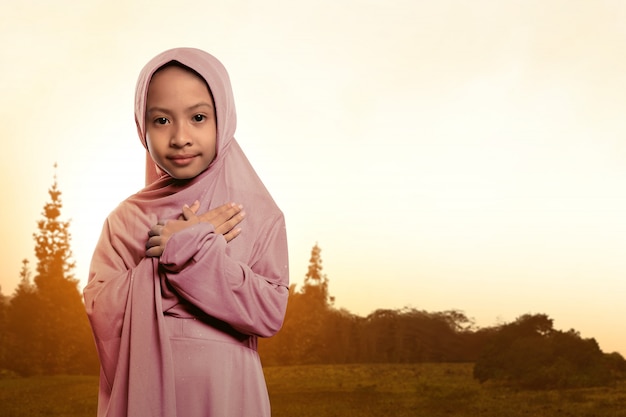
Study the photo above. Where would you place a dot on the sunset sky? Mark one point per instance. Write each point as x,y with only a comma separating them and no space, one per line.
443,154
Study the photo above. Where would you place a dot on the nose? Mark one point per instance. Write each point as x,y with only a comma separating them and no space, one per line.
180,136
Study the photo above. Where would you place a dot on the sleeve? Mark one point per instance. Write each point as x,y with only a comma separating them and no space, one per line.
110,277
123,302
250,298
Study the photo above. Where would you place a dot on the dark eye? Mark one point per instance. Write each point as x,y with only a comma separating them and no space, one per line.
199,118
161,121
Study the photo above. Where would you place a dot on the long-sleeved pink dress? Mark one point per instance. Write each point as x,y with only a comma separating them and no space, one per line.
177,335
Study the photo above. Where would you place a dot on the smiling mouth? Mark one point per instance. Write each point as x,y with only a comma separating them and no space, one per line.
182,160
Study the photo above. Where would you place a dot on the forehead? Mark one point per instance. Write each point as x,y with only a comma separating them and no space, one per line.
175,72
176,64
176,80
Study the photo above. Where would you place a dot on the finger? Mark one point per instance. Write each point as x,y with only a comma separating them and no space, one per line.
232,234
230,224
155,230
153,241
227,210
234,210
188,213
222,213
154,252
195,206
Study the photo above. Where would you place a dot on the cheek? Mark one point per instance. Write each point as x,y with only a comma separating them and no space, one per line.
149,142
214,149
152,146
212,142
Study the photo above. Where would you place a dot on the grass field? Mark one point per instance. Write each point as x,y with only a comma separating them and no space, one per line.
429,390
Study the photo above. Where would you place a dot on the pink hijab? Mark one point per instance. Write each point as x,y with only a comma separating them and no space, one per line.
216,77
125,297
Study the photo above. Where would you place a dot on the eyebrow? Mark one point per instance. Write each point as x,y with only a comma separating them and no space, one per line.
202,104
164,110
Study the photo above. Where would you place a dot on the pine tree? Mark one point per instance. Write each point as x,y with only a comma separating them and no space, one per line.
52,249
64,331
316,282
47,327
308,311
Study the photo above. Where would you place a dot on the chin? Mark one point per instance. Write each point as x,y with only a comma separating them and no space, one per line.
186,175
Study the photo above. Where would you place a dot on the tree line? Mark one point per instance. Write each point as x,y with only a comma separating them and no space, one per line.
528,352
44,329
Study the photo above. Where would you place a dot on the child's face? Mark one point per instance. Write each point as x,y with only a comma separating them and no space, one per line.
180,122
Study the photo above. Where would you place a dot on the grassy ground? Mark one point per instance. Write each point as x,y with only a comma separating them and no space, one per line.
429,390
67,396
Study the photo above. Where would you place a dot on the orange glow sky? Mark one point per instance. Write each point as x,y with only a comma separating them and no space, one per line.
444,154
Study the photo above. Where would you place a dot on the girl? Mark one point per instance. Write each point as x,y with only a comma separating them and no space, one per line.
178,293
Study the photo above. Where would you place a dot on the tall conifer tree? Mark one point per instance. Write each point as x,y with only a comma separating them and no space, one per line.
316,282
64,332
46,323
307,314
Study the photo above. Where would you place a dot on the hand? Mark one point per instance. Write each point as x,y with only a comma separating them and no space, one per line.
223,218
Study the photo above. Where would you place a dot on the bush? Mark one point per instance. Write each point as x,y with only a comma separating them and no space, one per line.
529,353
